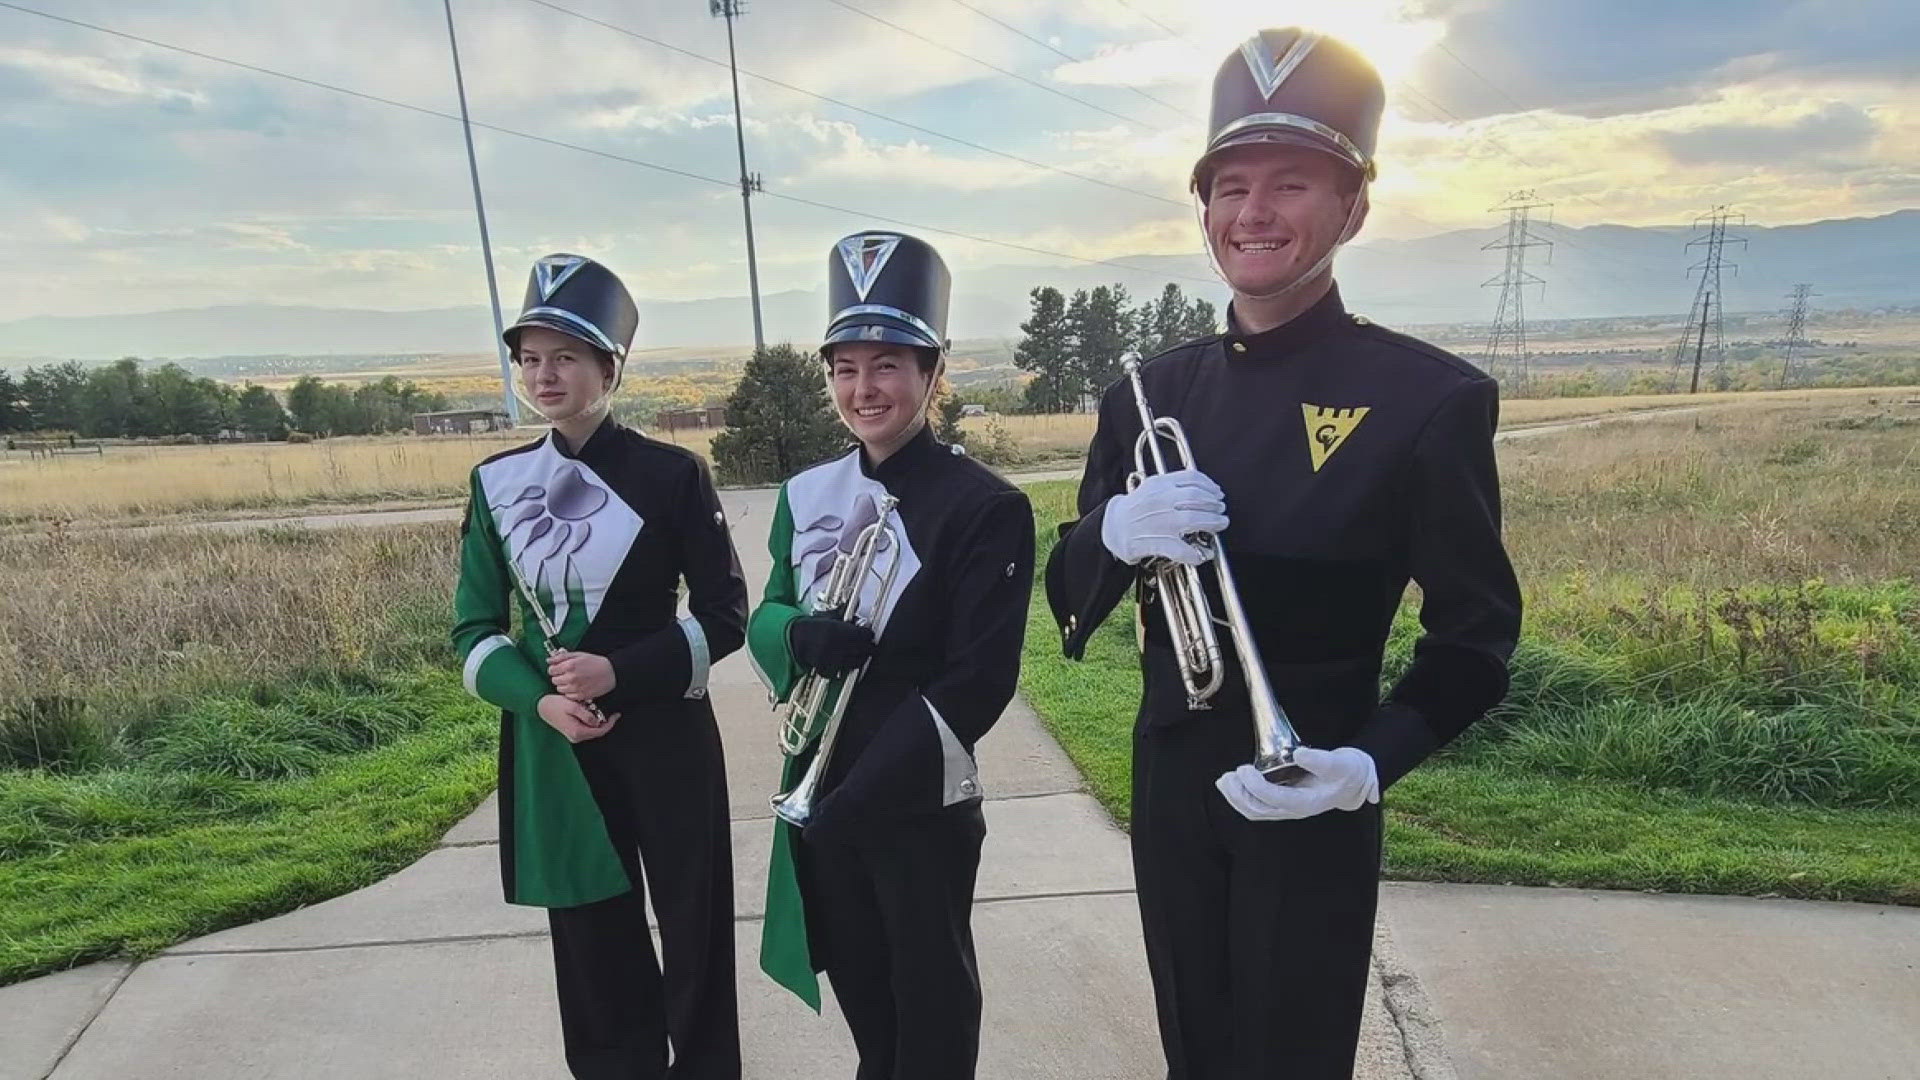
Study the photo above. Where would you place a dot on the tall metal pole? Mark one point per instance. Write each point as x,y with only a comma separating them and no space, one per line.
1701,345
486,245
730,9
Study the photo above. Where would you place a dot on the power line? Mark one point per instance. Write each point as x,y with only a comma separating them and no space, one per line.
1509,335
545,140
849,106
1796,329
943,47
1154,21
1707,307
1050,47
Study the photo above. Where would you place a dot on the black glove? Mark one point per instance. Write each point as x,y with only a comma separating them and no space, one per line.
828,644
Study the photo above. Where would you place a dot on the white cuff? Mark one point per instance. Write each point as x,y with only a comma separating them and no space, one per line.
470,674
697,652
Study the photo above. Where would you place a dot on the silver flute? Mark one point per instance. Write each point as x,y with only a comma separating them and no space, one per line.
549,633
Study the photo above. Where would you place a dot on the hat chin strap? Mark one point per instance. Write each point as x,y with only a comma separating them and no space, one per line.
604,402
1346,234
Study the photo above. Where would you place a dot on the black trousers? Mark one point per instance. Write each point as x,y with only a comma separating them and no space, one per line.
1258,934
661,783
890,907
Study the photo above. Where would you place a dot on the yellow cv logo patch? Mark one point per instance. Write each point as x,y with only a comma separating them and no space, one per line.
1327,429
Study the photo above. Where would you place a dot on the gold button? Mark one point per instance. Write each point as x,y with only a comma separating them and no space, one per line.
1239,346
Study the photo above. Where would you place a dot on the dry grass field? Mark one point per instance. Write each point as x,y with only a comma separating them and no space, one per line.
140,483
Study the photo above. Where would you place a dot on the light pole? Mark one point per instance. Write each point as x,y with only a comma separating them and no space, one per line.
749,182
480,209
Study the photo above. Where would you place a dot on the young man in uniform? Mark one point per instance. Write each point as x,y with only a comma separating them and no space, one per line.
876,889
1336,459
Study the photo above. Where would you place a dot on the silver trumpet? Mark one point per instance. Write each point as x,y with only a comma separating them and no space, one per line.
802,722
1190,618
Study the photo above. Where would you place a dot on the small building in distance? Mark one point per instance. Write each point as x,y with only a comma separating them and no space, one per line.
708,416
460,422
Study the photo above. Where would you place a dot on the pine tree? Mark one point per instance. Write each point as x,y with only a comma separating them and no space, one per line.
779,419
1172,320
1201,321
948,405
13,412
1047,351
1103,330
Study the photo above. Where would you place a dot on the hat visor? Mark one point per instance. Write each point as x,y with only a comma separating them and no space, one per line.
880,328
570,325
1275,135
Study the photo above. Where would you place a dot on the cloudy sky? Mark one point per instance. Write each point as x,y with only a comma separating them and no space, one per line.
139,177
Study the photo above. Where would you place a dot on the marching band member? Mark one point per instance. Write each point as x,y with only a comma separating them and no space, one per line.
877,889
1336,459
610,759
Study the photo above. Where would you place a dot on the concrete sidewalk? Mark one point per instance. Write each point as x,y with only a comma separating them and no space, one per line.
428,974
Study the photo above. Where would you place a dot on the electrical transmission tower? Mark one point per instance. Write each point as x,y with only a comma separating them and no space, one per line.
1506,356
1796,328
749,182
1706,318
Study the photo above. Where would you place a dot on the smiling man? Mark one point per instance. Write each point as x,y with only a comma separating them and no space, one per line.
1336,460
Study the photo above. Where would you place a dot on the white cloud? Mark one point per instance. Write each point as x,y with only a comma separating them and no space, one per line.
94,80
247,188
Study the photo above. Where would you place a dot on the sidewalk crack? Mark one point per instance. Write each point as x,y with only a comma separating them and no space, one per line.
60,1058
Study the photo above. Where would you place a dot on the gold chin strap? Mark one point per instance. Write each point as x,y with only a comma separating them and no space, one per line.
1346,234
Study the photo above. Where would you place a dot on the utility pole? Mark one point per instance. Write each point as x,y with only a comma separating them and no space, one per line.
486,245
1796,329
749,182
1707,314
1509,335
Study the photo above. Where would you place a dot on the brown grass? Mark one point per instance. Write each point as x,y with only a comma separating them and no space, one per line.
1705,498
1523,411
138,613
155,483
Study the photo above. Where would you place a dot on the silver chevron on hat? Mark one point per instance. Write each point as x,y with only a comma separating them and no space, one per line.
553,271
865,256
1270,72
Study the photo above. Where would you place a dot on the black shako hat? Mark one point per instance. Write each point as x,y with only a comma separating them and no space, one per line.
1294,87
885,286
577,296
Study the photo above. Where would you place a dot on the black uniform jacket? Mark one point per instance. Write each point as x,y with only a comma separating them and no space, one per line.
1353,458
948,655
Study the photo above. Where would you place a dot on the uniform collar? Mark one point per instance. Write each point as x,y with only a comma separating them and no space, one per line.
1303,329
598,445
922,446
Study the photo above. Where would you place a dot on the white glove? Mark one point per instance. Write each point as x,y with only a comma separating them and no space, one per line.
1340,779
1155,519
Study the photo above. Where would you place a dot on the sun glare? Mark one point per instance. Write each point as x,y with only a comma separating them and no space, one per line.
1383,30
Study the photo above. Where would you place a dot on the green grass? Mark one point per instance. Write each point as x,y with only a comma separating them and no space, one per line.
189,838
1762,741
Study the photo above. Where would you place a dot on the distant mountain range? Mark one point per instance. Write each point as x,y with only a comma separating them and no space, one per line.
1595,271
